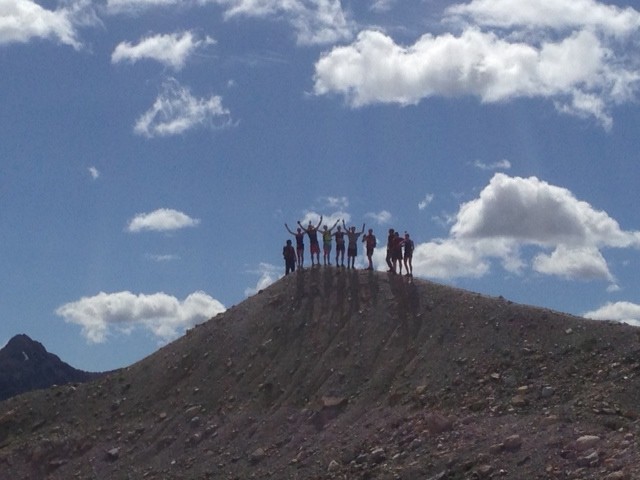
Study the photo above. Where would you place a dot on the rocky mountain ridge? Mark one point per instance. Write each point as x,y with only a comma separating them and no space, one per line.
334,374
26,365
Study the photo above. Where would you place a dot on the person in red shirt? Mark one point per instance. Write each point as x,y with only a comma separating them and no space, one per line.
289,254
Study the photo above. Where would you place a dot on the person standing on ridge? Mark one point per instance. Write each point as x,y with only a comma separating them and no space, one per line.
326,243
396,251
289,254
339,245
314,246
408,254
352,247
370,241
389,258
299,244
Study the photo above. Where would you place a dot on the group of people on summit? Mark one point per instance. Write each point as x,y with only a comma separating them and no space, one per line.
399,248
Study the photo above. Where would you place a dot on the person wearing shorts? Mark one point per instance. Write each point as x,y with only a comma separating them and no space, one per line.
370,242
352,248
408,254
299,235
314,246
339,246
396,251
326,243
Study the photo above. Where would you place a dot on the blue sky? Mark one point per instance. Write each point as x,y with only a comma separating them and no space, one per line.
152,150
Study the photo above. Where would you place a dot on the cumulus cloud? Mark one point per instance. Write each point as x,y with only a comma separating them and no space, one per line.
268,274
23,20
163,315
582,262
625,312
533,211
161,220
171,50
176,110
581,69
511,213
94,172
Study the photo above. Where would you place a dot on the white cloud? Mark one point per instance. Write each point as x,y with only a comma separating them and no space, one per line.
586,263
382,217
532,211
162,257
94,172
133,6
549,14
268,274
176,110
383,6
163,315
334,202
172,50
23,20
625,312
511,213
426,201
314,21
500,165
161,220
584,73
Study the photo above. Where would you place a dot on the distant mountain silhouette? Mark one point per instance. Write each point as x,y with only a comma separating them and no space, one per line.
26,365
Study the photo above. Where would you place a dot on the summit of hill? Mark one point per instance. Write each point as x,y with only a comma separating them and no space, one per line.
346,374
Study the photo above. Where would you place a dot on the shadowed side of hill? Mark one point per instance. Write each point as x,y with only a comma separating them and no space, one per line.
349,374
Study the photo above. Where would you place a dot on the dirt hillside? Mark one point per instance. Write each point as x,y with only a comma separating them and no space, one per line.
350,375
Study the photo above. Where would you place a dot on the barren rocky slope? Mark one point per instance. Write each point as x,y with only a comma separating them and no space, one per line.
350,375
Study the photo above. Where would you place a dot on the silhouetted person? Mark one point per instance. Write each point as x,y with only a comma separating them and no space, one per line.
352,247
408,254
314,246
339,246
389,258
370,244
326,243
299,244
289,254
396,251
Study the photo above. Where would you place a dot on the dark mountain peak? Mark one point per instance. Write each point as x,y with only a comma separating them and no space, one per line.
26,365
22,346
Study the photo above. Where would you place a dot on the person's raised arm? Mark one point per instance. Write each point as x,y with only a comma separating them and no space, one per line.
334,225
362,229
343,224
303,229
288,229
319,223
